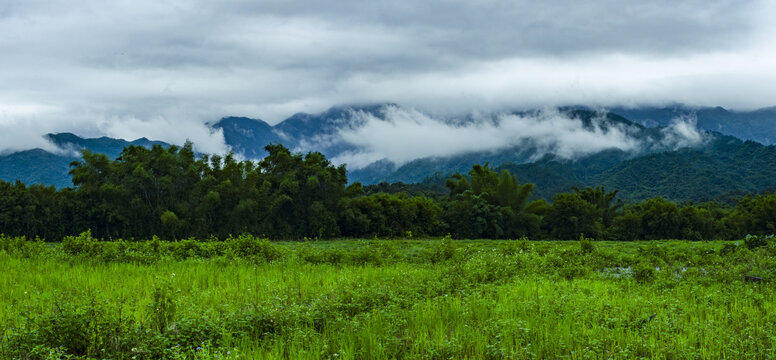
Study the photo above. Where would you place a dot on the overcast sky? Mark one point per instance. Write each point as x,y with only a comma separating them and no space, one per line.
162,68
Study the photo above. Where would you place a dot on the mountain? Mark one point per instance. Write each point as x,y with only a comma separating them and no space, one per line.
303,126
758,125
37,166
651,140
721,166
659,164
247,136
105,145
302,132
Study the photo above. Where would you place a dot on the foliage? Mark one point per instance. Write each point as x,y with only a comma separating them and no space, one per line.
171,193
753,241
492,205
465,299
586,244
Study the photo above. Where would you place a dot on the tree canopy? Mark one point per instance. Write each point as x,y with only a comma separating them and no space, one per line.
173,193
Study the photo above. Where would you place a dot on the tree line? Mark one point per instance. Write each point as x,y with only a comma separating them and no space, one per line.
173,193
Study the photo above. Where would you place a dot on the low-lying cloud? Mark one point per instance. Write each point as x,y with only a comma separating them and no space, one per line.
204,138
402,135
682,132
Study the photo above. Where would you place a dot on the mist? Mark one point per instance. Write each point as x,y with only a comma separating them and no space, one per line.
401,135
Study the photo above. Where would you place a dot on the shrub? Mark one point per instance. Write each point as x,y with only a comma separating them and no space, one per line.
313,255
442,250
83,244
586,244
753,241
644,272
85,330
21,247
572,271
248,246
729,248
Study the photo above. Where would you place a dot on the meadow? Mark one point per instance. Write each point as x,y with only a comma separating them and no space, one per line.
249,298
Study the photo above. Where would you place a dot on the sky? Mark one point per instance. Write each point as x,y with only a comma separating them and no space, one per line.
162,69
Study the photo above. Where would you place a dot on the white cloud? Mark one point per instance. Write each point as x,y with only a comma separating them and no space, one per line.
682,132
20,129
116,67
405,135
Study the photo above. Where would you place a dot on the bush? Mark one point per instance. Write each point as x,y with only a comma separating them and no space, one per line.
248,246
644,272
21,247
586,244
753,241
308,253
90,330
83,244
573,271
442,250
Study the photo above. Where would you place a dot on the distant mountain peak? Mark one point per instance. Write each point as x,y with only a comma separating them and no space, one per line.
247,136
64,138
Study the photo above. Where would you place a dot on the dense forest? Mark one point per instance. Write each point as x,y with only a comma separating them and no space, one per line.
172,193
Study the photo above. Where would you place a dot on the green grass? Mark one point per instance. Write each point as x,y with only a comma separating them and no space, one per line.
330,300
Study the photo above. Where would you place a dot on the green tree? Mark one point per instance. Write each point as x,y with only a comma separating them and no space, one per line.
570,216
659,219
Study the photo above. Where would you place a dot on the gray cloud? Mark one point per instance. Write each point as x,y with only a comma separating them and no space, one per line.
401,135
161,69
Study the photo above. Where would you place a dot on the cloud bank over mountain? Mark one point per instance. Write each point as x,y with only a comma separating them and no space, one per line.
161,69
401,135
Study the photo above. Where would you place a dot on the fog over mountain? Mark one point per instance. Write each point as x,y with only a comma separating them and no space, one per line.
163,69
401,135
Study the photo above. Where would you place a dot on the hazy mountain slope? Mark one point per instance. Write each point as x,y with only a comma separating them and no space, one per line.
105,145
41,167
36,167
651,140
723,165
758,125
554,176
247,136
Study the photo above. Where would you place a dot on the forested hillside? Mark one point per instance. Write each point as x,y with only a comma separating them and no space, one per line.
722,166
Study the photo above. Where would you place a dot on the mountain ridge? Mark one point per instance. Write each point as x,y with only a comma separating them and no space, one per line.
614,168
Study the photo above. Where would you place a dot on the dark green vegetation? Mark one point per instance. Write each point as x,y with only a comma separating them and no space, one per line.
171,193
722,167
247,297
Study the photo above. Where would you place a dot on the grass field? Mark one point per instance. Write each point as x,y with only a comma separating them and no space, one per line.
387,299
